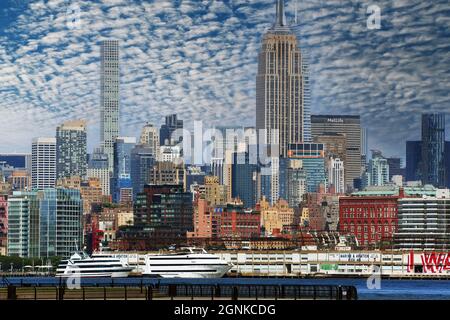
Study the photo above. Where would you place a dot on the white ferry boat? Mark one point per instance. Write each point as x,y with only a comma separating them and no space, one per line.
187,263
80,264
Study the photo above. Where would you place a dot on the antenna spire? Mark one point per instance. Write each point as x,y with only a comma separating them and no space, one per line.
281,16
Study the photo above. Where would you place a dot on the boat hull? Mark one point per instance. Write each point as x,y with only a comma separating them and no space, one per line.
203,273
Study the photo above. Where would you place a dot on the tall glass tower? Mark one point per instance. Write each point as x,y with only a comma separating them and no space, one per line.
280,86
109,117
433,149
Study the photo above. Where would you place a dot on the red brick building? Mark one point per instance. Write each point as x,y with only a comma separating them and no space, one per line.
370,218
233,221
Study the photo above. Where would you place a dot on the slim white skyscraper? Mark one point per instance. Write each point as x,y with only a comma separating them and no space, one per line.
109,122
43,163
336,174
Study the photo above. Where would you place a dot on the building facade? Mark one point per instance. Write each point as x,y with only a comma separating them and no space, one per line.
122,166
109,95
280,86
433,149
350,126
60,222
43,163
71,149
424,222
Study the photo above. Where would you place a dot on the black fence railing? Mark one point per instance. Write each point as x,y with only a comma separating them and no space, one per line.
178,291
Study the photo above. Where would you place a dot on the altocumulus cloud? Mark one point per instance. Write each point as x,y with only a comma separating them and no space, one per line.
199,58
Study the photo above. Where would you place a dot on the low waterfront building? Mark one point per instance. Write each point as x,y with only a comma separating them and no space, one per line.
23,224
424,222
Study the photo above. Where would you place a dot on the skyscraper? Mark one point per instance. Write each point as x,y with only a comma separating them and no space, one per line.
142,161
378,172
280,86
71,149
433,149
413,160
336,174
109,91
347,125
312,161
165,133
98,168
121,181
150,138
243,184
43,163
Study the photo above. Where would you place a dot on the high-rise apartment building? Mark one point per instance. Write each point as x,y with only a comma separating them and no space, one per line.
43,163
109,95
350,126
378,171
280,86
60,222
71,149
23,224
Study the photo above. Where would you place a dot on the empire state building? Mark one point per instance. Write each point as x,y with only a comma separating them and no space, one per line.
280,86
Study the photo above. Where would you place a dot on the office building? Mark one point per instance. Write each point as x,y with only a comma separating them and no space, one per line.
166,208
433,149
312,156
243,184
350,126
413,161
150,138
235,222
395,167
98,167
142,161
43,163
71,149
109,97
170,132
122,167
280,97
168,173
336,175
18,161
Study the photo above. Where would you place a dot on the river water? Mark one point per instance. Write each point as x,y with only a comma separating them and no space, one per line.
384,289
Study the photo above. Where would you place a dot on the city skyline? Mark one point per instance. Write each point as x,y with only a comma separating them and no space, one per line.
55,86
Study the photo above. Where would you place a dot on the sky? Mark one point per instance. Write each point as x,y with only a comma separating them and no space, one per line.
199,59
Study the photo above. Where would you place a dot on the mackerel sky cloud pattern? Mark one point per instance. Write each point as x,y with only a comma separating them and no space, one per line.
199,59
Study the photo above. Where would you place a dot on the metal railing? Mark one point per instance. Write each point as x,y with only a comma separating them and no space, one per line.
180,291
